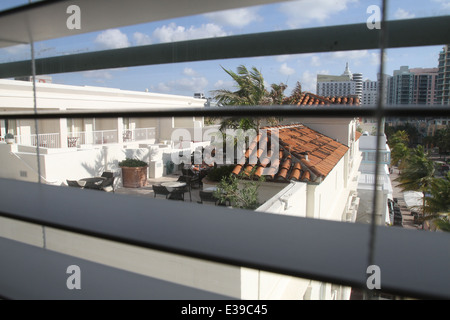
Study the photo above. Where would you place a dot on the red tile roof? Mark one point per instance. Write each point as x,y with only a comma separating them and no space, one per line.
307,98
304,155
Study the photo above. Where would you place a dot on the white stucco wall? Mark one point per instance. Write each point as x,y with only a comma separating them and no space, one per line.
291,200
19,94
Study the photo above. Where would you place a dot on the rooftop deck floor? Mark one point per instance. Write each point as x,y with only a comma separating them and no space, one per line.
147,191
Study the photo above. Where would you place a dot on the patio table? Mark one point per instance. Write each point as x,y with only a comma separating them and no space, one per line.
173,185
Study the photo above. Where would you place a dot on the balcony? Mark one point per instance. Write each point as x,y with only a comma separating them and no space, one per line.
78,139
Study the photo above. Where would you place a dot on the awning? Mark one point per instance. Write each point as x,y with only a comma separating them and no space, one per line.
413,198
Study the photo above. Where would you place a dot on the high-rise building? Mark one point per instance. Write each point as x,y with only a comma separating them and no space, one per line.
443,80
347,84
425,80
412,86
400,87
358,79
371,90
369,93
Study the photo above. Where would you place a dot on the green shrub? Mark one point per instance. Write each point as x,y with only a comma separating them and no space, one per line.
128,162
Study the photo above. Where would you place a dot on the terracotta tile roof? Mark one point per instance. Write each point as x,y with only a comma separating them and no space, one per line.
304,155
308,98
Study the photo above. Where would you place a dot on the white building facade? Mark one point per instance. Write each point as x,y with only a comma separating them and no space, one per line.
347,84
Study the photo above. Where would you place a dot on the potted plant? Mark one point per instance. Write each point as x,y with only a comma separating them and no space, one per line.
9,138
134,173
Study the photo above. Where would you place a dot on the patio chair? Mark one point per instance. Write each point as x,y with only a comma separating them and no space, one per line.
188,188
74,183
207,197
178,193
108,184
160,190
107,174
195,181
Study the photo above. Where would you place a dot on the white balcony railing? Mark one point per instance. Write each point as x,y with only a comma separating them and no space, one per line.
139,134
75,139
98,137
45,140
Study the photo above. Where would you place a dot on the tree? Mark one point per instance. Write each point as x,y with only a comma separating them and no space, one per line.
398,143
295,94
418,173
411,130
251,91
241,192
437,207
441,140
401,136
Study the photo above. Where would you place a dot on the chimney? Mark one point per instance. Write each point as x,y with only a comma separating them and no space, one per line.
305,154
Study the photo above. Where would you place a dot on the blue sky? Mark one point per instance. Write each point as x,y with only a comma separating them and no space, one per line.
187,78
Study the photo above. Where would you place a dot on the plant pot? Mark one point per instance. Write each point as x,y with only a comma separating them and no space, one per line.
9,141
134,177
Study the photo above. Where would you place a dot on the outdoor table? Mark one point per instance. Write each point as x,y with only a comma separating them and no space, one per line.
173,185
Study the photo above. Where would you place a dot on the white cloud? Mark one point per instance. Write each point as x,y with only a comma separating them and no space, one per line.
141,39
282,58
189,72
161,87
403,14
315,61
445,4
236,17
225,85
375,58
285,70
172,32
18,49
15,53
300,13
112,39
350,55
97,74
308,80
183,85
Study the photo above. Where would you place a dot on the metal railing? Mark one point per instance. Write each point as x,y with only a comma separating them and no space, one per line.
98,137
44,140
139,134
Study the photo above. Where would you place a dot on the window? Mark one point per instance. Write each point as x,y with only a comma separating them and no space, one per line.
195,233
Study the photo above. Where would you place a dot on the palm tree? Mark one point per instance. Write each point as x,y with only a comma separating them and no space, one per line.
437,206
251,91
399,148
295,94
418,173
442,140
